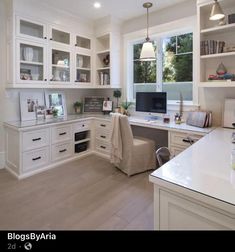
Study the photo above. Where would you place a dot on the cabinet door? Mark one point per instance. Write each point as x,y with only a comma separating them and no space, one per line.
31,62
83,69
31,29
60,36
60,65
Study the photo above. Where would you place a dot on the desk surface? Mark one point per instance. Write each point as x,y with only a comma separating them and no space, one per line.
204,167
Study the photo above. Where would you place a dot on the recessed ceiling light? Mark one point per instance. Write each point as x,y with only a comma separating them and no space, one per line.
97,5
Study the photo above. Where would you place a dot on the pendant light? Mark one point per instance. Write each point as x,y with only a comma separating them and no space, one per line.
216,11
147,51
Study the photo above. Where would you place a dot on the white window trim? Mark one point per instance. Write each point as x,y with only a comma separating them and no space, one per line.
189,25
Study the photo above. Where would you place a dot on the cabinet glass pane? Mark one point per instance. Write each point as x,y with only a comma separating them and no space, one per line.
59,36
83,61
31,29
31,62
83,42
83,76
60,66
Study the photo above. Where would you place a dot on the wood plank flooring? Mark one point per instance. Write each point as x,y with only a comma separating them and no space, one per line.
87,194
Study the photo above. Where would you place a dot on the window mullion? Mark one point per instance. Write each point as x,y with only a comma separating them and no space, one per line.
159,63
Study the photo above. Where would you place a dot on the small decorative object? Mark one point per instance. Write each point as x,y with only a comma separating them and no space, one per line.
40,112
106,60
48,113
231,18
124,107
78,107
56,100
166,118
178,116
117,94
107,106
221,70
28,53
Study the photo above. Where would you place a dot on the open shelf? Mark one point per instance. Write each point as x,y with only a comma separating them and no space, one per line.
218,29
216,55
31,63
216,84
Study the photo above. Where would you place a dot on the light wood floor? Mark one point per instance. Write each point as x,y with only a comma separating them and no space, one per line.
84,194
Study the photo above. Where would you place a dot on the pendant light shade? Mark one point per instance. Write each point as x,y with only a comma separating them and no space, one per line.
216,12
147,51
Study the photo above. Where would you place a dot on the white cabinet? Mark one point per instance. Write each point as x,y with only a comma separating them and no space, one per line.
108,60
179,141
215,41
102,137
44,55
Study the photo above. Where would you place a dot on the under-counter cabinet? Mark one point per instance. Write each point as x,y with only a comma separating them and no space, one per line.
36,148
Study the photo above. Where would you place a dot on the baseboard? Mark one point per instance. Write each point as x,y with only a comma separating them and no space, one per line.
2,160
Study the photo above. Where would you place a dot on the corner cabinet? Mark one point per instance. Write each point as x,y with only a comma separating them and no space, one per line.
108,60
42,55
215,42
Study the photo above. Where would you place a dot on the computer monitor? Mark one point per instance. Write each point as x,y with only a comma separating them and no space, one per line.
151,102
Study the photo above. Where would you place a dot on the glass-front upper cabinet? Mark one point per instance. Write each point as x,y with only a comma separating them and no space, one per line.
83,42
83,68
30,62
31,29
60,36
61,65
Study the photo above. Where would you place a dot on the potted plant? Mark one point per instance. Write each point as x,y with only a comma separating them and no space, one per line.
117,94
77,107
125,105
55,112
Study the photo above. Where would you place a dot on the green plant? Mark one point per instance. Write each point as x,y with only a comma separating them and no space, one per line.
77,104
117,94
55,112
126,104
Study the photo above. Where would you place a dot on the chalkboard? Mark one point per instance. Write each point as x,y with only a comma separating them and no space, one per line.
93,104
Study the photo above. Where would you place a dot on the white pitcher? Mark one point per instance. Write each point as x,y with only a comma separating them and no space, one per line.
28,54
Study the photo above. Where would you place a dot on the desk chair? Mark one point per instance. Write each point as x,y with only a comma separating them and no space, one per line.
130,154
163,155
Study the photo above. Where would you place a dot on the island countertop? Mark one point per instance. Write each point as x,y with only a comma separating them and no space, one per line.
205,167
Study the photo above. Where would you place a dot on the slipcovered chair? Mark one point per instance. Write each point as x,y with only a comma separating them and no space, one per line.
130,154
163,155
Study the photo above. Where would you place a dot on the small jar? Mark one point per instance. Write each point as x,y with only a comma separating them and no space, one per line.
233,159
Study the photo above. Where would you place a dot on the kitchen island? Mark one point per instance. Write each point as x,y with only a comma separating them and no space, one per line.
196,189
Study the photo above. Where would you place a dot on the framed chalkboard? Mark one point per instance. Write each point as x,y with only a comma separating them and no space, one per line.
93,104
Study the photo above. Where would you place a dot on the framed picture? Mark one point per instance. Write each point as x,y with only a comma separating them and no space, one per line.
56,100
93,104
29,101
107,106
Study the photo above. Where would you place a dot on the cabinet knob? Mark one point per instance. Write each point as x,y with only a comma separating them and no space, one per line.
45,79
51,39
76,44
76,81
45,37
51,79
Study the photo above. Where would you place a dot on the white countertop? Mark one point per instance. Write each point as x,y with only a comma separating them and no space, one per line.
204,167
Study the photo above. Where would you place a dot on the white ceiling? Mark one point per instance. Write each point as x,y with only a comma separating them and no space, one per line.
122,9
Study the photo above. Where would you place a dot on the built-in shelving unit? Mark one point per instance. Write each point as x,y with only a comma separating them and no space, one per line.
215,40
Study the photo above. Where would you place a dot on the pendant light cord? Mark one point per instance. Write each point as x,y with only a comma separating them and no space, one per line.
147,24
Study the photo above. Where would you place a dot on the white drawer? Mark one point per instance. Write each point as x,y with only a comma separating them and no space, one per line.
183,139
81,126
102,134
102,146
103,125
35,159
61,134
175,150
35,139
61,151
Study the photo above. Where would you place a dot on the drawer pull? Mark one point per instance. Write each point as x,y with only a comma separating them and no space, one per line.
36,139
102,147
61,151
188,140
62,134
37,158
103,136
102,125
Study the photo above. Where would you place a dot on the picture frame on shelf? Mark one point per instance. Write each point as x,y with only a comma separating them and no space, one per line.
56,100
29,101
107,106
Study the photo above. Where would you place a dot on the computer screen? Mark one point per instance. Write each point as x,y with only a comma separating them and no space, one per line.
152,102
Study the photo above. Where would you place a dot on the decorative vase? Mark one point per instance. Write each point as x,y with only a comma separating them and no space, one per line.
80,61
28,54
77,110
221,70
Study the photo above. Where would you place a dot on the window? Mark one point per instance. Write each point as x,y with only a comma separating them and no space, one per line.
171,72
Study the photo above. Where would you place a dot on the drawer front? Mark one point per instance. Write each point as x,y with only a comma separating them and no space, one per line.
175,150
81,126
103,125
102,134
35,139
61,134
102,146
183,139
35,159
61,151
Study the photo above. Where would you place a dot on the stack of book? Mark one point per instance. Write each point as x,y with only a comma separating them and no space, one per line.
212,47
104,78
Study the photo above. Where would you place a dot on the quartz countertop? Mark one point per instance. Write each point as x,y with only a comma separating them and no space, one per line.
205,167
